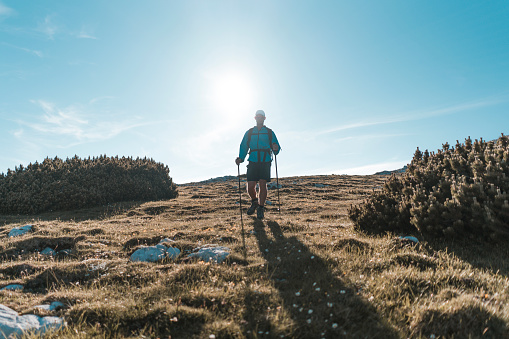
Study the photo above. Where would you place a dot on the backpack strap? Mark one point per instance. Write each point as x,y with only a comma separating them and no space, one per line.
270,137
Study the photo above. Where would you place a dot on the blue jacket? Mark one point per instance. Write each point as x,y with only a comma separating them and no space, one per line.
259,142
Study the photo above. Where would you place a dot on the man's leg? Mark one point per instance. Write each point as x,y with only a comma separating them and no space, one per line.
263,192
251,189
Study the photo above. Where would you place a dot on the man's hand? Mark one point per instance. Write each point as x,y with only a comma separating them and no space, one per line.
238,161
275,147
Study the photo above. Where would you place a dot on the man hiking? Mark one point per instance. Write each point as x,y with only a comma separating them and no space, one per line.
261,143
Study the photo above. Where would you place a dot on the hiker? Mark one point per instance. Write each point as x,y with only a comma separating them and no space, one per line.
261,142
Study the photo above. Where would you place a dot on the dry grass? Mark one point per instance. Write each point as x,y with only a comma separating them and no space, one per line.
305,273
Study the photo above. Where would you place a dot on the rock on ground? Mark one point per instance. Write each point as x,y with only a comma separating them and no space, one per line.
273,185
12,287
156,253
17,231
53,306
211,253
48,251
12,324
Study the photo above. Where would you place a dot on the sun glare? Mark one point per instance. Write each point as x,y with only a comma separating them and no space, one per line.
232,94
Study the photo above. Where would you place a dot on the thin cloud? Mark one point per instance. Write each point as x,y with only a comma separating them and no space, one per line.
5,11
416,115
72,125
48,28
86,34
371,136
28,50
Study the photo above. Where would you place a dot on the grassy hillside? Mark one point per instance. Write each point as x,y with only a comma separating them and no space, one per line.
305,274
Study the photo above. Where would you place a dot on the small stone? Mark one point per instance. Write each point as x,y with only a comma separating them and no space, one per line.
210,253
48,251
172,252
53,306
65,252
12,287
14,325
17,231
149,254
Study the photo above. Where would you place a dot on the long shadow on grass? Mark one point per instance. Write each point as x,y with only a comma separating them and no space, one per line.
483,255
318,301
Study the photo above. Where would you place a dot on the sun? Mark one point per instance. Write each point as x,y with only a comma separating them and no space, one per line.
232,94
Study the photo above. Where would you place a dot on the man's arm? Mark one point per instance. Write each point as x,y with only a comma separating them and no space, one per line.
275,144
244,147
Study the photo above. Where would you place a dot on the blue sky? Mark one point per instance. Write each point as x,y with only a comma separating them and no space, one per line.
349,87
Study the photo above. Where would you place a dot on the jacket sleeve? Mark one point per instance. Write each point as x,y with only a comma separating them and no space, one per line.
244,147
275,141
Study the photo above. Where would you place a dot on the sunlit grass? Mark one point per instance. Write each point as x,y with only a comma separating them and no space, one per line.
306,273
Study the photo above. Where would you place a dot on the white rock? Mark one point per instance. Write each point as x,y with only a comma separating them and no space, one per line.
321,185
53,306
65,252
211,253
12,287
408,237
272,185
17,231
48,251
155,253
172,252
149,254
12,324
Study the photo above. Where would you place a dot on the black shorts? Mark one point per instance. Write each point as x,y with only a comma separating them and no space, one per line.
258,170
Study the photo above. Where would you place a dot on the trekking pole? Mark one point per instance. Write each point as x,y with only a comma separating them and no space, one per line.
277,186
241,220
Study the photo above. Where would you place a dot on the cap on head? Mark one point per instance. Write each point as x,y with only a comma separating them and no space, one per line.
260,112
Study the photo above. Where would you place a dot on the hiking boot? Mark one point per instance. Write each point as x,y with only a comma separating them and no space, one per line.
252,208
259,213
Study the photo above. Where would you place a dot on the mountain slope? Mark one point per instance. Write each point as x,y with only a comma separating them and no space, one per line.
302,273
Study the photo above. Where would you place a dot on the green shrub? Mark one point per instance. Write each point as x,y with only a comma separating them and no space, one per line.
76,183
459,192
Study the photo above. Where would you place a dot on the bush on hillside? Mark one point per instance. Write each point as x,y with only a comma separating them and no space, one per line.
76,183
459,192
